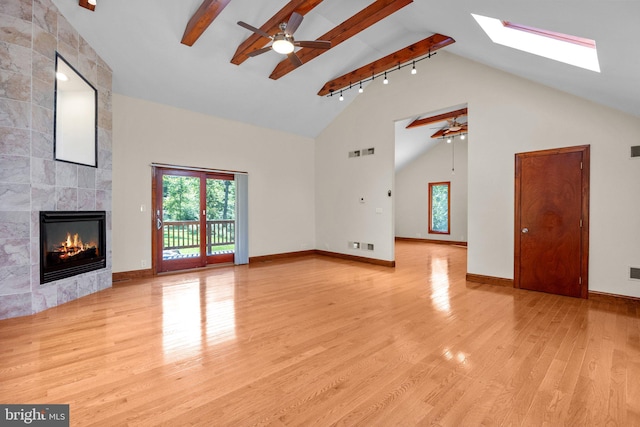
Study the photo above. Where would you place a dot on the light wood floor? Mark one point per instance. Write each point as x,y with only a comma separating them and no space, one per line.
321,341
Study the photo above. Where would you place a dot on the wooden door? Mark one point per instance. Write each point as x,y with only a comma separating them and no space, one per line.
179,220
552,221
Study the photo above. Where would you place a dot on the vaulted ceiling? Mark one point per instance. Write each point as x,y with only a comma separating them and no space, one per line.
192,54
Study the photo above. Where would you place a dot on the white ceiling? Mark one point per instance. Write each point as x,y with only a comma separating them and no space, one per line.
140,40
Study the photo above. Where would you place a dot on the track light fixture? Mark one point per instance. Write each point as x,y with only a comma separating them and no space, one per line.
384,74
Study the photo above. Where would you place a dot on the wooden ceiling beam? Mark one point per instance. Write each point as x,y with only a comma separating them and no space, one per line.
362,20
255,42
86,5
200,21
416,50
440,117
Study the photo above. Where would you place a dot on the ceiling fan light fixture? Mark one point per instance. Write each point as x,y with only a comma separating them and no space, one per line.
282,45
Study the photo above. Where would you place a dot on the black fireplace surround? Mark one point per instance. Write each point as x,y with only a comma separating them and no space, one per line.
71,243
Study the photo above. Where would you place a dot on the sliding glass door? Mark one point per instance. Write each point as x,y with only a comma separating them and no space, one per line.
194,219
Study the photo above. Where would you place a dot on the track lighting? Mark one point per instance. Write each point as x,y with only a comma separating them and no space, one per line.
448,140
341,97
463,136
385,80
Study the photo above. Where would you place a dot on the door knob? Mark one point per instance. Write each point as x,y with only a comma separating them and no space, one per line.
525,230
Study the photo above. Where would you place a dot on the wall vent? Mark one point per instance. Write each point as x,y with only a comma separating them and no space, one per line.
355,153
635,151
368,151
634,273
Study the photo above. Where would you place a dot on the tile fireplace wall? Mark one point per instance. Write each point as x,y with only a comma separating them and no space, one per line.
30,179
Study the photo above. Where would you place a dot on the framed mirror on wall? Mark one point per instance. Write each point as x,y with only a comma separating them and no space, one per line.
75,117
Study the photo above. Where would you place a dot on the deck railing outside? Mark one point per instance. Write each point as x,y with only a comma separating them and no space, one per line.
186,234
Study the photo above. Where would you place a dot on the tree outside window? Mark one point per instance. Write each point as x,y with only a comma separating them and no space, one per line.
439,206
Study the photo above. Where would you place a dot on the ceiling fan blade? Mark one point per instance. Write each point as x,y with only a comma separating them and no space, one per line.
259,51
258,31
294,59
294,22
316,44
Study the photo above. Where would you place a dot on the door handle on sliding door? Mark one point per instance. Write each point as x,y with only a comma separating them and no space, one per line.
158,223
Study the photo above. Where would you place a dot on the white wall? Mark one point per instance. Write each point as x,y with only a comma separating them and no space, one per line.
280,167
507,115
412,191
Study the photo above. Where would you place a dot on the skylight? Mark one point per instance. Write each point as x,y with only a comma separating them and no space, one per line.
571,50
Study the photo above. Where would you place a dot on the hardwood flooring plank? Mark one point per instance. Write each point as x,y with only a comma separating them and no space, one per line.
325,341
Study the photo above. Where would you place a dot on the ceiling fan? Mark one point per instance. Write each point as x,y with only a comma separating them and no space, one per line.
283,42
453,126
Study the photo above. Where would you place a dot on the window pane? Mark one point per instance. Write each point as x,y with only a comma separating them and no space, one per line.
181,216
221,211
439,207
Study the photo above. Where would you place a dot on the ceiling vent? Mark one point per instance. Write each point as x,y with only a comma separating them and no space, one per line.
635,151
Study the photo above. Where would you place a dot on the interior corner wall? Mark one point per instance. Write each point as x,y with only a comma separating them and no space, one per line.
412,191
30,179
279,165
507,115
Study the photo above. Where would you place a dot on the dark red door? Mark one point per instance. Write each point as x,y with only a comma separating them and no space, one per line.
551,235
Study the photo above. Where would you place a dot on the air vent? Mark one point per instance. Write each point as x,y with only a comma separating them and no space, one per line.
355,153
635,151
368,151
634,273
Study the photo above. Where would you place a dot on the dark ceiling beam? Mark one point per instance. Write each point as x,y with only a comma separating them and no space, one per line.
200,21
409,53
255,42
86,5
362,20
451,115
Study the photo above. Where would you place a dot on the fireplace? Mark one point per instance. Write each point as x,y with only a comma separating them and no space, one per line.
71,243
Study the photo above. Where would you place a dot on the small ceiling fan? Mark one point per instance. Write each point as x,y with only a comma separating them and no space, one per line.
283,42
453,126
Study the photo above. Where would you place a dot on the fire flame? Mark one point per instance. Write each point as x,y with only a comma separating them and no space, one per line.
73,245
